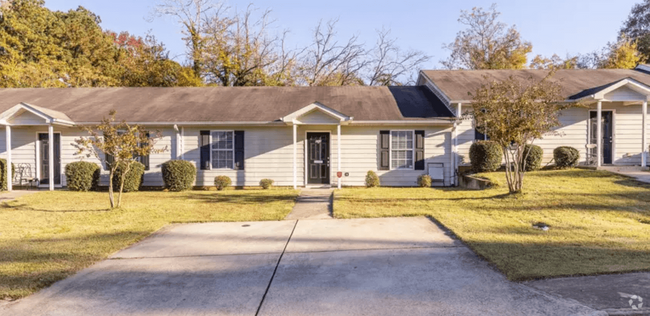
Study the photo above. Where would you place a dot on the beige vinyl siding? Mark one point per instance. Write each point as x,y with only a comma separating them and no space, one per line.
360,153
574,132
268,153
24,147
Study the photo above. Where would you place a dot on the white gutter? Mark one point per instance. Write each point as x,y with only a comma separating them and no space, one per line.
445,121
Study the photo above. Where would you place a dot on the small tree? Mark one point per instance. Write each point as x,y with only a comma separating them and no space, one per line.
121,141
515,112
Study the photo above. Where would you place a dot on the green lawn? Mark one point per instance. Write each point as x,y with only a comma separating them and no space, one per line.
600,222
49,235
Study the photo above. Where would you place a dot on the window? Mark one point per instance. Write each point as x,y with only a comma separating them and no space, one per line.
223,149
401,150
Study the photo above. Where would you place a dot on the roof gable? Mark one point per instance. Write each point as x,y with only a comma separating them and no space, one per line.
575,83
27,114
316,113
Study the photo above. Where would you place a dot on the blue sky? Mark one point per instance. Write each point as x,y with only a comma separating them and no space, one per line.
552,26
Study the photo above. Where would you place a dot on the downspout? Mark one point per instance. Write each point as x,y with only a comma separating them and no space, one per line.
459,114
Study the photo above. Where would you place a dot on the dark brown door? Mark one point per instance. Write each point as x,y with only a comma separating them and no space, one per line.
318,158
44,152
607,121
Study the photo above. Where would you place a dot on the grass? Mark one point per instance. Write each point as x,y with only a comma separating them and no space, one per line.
48,236
599,222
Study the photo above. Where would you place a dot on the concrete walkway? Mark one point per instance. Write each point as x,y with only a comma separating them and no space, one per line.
9,196
618,294
312,204
388,266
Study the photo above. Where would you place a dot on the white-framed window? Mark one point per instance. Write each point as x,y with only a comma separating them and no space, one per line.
222,149
402,144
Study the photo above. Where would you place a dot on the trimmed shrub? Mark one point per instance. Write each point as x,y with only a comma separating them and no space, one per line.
82,176
533,154
3,173
372,179
424,181
485,156
178,175
222,182
132,180
566,157
266,183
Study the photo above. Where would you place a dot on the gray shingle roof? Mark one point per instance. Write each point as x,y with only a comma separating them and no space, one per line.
227,104
456,84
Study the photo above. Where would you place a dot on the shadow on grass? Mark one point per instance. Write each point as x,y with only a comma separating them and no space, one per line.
53,259
25,207
241,198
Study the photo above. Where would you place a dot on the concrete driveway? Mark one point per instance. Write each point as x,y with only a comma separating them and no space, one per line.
393,266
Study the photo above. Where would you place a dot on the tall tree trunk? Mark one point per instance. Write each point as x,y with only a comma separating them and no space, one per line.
110,188
119,197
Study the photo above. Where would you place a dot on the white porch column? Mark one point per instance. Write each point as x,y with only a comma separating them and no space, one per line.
644,144
182,143
338,151
9,173
50,150
295,156
599,134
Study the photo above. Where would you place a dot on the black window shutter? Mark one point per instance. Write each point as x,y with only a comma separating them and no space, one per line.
239,150
145,159
384,150
204,142
419,150
109,159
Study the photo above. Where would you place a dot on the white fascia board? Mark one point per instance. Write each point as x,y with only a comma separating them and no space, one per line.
316,106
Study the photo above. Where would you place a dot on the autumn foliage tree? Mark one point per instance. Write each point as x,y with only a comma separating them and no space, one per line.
486,43
44,48
515,112
121,141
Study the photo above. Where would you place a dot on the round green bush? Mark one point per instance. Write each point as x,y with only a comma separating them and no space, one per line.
178,175
424,181
3,173
132,180
372,179
566,157
82,176
485,156
222,182
534,155
266,183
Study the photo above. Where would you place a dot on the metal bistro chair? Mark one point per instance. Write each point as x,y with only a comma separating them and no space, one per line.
24,175
590,160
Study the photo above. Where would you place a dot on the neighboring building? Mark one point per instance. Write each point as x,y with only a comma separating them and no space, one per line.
618,96
303,136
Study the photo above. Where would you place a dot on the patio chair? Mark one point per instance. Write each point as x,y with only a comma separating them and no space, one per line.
24,175
590,159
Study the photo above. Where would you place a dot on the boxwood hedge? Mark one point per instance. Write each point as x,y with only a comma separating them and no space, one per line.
132,180
566,157
82,176
485,156
178,175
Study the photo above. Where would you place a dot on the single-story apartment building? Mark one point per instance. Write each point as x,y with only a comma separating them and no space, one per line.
318,136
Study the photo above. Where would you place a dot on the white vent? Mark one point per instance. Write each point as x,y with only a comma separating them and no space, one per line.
436,171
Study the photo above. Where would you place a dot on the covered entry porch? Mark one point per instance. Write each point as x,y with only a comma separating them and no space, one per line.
617,120
42,124
317,122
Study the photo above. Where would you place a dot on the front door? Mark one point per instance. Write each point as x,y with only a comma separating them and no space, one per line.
607,121
44,154
318,158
